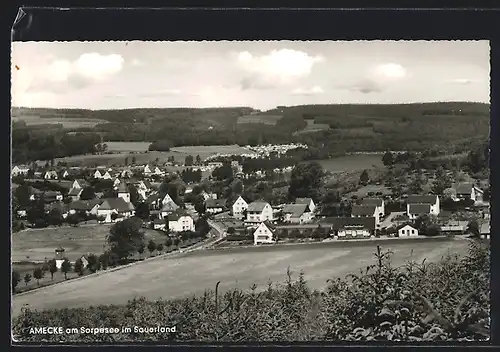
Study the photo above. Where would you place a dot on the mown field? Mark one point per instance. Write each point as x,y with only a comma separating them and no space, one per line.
138,150
264,119
39,244
313,127
186,275
352,163
65,122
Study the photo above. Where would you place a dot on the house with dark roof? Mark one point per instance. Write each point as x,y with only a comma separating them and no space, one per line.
159,224
378,202
366,211
264,233
215,206
51,175
123,192
259,211
167,209
468,191
297,213
52,196
351,227
308,201
117,206
84,206
415,205
180,221
80,183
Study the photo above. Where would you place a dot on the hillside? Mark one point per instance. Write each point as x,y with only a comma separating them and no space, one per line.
328,129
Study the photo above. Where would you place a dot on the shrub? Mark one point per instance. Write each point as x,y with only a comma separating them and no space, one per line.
447,300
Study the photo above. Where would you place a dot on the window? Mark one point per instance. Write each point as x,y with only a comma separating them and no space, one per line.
412,232
402,232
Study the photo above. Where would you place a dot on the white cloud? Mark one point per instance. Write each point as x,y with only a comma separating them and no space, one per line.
461,81
389,71
63,75
137,62
160,93
308,91
276,68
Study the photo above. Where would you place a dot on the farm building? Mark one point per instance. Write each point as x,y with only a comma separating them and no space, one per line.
19,170
259,211
117,206
238,207
469,191
431,200
215,206
297,213
378,202
351,227
308,201
180,222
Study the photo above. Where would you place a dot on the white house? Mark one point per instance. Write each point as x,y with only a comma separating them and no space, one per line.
60,257
407,231
97,174
167,209
79,184
238,207
259,211
50,175
413,205
469,191
308,201
86,206
65,174
116,182
123,192
215,206
167,199
118,206
264,233
106,176
180,222
19,170
157,171
378,202
297,213
147,170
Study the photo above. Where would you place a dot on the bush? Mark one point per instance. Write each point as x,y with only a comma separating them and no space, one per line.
447,300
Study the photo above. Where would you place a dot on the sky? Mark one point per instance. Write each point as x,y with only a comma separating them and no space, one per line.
258,74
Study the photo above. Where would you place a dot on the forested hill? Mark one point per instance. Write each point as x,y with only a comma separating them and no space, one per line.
328,129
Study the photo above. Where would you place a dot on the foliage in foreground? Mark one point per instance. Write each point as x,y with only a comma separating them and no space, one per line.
447,300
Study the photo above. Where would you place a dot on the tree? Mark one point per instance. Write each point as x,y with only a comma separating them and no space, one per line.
79,267
199,204
474,228
176,241
198,160
16,277
52,268
189,160
151,247
142,211
134,195
388,159
22,194
223,172
364,178
159,247
133,160
55,217
27,278
38,274
306,180
125,237
104,260
65,268
231,230
141,248
87,193
73,219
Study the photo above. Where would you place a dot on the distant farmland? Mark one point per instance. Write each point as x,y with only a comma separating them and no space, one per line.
313,127
128,146
65,122
265,119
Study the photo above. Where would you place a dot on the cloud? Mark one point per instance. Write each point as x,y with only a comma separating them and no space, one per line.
366,86
389,71
63,75
463,81
308,91
137,62
278,67
160,93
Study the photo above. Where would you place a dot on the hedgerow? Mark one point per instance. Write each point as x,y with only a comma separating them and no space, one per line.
447,300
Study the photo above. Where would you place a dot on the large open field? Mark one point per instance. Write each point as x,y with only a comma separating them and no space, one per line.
67,123
189,274
138,150
352,163
38,244
263,118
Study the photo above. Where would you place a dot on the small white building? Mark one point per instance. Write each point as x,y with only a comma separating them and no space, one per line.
264,233
180,222
238,207
19,170
215,206
97,174
123,192
80,183
51,175
60,257
407,231
106,176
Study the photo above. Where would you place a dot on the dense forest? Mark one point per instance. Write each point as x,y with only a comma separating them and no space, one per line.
454,127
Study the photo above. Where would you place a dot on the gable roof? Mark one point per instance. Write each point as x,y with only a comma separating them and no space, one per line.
118,204
429,199
153,198
339,223
215,203
84,204
177,216
303,201
372,201
122,188
406,225
82,182
267,224
296,210
363,210
466,188
419,209
243,199
258,205
169,206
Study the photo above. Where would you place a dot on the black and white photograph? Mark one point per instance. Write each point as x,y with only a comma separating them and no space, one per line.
250,191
